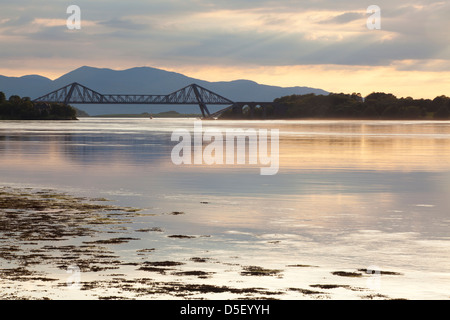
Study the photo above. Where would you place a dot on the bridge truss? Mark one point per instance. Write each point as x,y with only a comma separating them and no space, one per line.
193,94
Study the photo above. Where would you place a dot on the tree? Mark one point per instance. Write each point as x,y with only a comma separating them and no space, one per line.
439,102
357,97
15,100
391,112
411,112
370,112
442,113
58,110
380,101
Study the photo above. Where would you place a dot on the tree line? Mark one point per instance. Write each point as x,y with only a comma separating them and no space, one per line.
377,105
17,108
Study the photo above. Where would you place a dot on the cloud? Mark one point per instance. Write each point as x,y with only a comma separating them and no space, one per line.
11,22
346,17
121,23
251,32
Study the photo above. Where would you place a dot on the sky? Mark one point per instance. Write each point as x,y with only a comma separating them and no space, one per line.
320,43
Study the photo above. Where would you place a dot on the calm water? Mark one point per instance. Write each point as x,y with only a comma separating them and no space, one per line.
348,195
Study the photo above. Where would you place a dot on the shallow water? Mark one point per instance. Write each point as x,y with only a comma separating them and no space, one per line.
348,195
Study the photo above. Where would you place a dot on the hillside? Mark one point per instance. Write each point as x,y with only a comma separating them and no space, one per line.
143,80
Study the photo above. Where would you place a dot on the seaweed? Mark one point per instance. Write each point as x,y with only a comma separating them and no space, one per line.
181,236
347,274
259,271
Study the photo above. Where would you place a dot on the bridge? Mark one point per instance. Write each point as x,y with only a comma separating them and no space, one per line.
193,94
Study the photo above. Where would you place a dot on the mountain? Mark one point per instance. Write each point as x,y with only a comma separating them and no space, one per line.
143,80
26,86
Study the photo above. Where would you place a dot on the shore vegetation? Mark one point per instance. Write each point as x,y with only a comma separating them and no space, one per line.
377,105
22,108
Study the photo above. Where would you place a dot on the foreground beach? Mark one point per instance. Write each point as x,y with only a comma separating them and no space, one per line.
57,246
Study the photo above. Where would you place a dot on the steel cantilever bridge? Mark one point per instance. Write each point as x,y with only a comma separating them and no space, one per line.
193,94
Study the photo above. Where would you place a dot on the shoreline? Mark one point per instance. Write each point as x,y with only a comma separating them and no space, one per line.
46,235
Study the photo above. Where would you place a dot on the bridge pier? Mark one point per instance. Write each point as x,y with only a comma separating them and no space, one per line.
237,109
252,107
256,110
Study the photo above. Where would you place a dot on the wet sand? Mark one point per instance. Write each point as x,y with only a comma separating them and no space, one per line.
58,246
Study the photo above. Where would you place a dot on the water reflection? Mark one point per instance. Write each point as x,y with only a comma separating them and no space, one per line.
303,145
323,157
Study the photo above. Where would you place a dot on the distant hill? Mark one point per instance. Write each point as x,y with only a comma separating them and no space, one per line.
143,80
26,86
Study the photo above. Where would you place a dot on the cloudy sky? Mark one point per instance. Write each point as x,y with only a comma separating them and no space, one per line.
320,43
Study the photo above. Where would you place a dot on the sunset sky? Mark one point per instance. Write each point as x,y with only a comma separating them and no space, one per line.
322,43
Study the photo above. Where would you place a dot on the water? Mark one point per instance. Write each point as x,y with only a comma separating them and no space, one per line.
348,195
